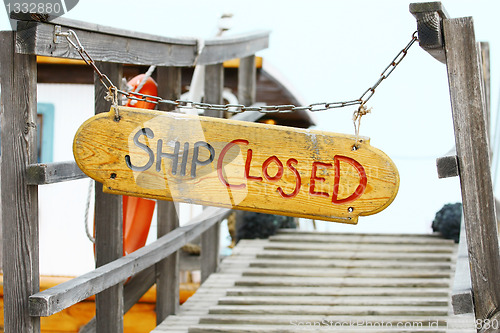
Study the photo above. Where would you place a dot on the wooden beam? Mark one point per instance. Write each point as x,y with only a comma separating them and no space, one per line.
108,226
224,48
19,200
461,293
128,47
429,17
247,78
484,48
60,297
51,173
138,285
447,166
38,38
214,85
473,156
167,270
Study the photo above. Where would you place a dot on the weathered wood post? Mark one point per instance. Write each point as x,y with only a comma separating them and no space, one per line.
214,85
457,42
19,200
108,225
247,77
167,271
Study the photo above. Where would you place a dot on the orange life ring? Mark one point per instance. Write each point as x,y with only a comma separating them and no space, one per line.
149,88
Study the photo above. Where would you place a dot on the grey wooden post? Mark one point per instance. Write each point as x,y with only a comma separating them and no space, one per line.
247,81
167,271
214,84
108,226
19,200
471,140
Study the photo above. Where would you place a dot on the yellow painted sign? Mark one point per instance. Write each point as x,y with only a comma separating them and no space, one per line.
227,163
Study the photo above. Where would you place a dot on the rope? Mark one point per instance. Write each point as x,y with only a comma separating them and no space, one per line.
87,208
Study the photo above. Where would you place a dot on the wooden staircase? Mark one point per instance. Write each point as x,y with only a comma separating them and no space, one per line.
311,281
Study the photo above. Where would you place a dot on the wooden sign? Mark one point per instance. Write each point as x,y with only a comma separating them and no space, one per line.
227,163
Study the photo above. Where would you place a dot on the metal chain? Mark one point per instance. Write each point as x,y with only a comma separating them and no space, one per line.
72,38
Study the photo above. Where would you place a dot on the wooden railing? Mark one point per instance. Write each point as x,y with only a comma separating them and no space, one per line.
452,41
21,175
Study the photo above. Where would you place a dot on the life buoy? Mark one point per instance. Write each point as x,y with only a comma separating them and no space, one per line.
149,88
138,212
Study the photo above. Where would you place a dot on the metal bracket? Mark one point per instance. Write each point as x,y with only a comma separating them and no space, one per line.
429,17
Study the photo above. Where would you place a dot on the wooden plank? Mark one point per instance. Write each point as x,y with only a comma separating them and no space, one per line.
295,328
210,240
88,26
447,166
346,263
461,293
411,248
138,285
474,164
328,300
19,200
334,281
371,292
108,44
359,239
231,173
213,88
286,319
339,310
66,294
38,38
342,272
108,226
484,48
429,17
247,80
167,270
224,48
300,232
367,255
51,173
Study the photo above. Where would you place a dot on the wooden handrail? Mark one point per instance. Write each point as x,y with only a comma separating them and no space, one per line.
60,297
109,47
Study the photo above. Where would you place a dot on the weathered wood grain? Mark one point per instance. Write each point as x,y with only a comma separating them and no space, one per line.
302,186
230,47
66,294
447,166
210,239
19,200
108,226
51,173
429,17
247,83
107,44
277,298
138,285
167,270
473,155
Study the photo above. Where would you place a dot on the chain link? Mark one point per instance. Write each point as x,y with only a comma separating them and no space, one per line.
72,38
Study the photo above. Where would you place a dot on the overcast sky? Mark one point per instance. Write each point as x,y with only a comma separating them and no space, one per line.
332,51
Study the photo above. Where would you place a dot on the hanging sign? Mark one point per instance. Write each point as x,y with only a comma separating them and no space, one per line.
243,165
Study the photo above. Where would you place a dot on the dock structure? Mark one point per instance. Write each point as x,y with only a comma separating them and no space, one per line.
294,281
300,281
